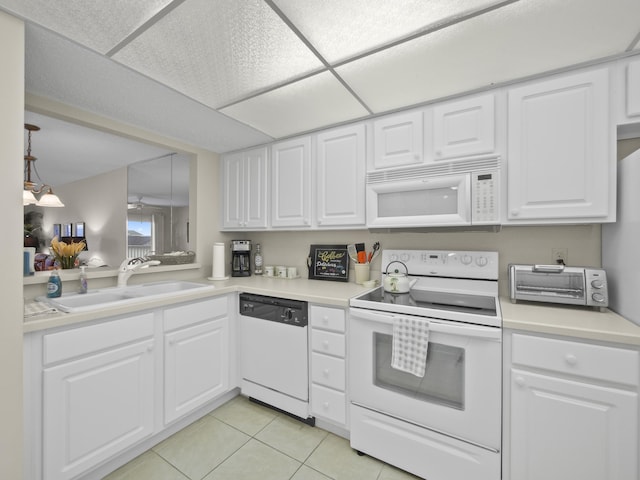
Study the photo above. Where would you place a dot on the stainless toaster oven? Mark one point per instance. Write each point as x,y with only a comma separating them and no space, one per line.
558,284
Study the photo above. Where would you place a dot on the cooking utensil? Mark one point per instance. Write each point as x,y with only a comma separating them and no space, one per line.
353,253
362,257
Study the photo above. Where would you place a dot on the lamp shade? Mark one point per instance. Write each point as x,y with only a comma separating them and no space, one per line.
49,200
28,198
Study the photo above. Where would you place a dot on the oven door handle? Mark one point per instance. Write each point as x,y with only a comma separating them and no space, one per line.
467,330
489,333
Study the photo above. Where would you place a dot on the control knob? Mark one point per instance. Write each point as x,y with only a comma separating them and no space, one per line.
597,283
598,297
481,261
466,259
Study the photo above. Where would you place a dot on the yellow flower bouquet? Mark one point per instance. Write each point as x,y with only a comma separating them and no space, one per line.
66,254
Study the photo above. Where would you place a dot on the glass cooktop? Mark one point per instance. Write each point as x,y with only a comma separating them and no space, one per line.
433,300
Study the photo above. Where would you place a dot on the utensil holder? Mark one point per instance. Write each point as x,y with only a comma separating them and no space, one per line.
362,272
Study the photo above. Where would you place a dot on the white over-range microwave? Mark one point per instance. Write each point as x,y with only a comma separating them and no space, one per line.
435,195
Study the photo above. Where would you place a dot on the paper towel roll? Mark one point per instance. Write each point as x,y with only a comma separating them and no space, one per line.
218,262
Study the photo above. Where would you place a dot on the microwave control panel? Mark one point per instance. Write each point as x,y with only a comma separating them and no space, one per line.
485,202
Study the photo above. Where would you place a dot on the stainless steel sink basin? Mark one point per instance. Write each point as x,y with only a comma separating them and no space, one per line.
110,297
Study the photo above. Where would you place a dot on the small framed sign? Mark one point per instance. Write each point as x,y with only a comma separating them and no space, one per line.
328,262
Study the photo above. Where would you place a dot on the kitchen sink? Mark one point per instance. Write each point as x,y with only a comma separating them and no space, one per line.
114,296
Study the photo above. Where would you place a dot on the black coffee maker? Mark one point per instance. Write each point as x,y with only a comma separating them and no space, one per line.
240,258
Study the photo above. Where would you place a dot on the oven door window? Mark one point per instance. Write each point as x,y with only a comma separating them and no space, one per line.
443,381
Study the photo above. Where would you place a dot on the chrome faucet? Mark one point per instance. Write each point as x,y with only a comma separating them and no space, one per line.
128,266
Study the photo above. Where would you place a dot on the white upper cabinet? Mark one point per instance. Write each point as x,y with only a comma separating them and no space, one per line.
291,183
633,89
561,162
462,128
398,140
245,182
340,177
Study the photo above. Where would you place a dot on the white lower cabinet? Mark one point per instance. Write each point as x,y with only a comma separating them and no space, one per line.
98,393
196,356
573,410
328,364
96,390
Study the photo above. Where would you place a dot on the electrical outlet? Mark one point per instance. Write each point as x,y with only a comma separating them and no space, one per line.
560,255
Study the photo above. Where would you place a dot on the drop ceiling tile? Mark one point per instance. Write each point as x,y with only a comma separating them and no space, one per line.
97,24
525,38
63,71
220,51
308,104
339,29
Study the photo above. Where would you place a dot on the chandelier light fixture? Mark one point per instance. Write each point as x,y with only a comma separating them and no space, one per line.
31,189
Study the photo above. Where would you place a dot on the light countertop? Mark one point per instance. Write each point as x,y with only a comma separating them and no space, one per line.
551,319
580,322
314,291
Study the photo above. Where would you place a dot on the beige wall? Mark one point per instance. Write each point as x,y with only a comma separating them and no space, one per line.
11,152
101,203
514,244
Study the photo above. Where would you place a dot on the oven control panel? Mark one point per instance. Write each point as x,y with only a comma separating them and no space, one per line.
445,263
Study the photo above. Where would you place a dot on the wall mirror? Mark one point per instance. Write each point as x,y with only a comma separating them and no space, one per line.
89,169
158,206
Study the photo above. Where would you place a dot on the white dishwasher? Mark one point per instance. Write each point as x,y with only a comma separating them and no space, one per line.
274,353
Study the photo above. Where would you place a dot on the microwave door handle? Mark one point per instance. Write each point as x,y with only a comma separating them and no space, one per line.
548,268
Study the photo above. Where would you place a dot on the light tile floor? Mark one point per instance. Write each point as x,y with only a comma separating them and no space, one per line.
245,441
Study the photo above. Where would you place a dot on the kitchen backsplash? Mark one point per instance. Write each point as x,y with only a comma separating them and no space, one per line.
514,244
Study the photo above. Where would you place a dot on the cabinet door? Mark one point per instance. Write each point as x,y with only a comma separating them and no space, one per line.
95,407
560,150
291,183
633,89
233,191
256,181
464,128
398,140
564,429
340,180
196,367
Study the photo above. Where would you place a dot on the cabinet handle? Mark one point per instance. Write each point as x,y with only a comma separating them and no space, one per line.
325,344
515,213
150,348
172,342
325,320
570,359
325,372
520,381
325,405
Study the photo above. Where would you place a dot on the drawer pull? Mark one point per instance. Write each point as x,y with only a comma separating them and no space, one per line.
520,381
325,405
570,359
326,372
325,344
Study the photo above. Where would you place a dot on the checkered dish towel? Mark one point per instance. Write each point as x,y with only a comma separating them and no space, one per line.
410,343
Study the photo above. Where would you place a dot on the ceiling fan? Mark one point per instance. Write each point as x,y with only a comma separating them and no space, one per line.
140,205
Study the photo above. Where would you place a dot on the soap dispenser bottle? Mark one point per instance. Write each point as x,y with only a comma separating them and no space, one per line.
83,280
54,285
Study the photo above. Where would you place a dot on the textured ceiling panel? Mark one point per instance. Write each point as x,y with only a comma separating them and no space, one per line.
218,51
311,103
63,71
522,39
339,29
97,24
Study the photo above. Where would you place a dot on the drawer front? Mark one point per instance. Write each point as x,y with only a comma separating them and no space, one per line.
196,312
598,362
328,318
329,343
84,340
328,371
329,404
